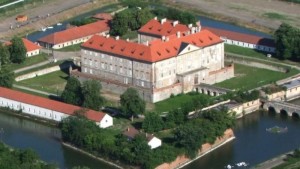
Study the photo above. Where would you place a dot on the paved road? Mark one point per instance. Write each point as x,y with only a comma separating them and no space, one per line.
32,66
34,90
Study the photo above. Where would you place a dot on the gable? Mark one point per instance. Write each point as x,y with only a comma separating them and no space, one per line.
186,48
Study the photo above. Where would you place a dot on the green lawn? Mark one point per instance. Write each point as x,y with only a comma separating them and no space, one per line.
274,15
174,102
250,77
52,82
244,51
71,48
28,62
130,35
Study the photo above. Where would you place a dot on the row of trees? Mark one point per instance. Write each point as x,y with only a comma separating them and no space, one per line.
14,53
86,95
287,40
21,159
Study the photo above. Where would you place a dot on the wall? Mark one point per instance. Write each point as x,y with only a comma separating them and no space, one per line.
220,75
182,160
293,93
250,45
33,53
106,121
276,96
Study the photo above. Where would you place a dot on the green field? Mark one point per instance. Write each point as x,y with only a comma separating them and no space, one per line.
72,48
250,77
175,102
53,82
244,51
28,62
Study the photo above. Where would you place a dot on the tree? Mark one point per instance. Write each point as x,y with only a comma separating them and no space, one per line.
6,78
72,93
152,123
17,50
131,103
4,55
91,95
287,41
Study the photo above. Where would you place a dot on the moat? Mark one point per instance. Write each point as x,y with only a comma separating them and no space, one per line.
252,144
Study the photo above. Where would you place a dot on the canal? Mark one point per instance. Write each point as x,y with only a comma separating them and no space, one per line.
45,140
253,144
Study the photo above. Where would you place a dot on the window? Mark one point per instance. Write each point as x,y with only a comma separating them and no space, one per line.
102,66
142,83
85,70
91,62
121,70
91,71
91,52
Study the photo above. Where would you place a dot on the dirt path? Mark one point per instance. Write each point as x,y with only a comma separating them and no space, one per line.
266,13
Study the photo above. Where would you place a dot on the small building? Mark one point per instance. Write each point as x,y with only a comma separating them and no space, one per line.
32,49
245,40
292,89
21,18
74,35
48,109
152,141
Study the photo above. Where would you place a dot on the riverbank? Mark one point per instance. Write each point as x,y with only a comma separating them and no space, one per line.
91,155
274,162
182,161
21,115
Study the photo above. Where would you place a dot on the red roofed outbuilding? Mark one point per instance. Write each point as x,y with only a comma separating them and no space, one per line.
46,108
32,49
245,40
74,35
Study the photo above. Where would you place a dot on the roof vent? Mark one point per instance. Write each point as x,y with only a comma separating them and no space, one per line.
155,18
163,21
175,23
117,37
91,42
107,36
178,34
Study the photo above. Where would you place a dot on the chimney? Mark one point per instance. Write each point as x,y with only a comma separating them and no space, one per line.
163,21
117,37
155,18
107,36
190,25
175,23
147,43
128,128
178,34
127,39
199,28
163,38
193,30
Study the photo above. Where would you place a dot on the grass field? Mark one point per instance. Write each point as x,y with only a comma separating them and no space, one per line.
28,62
244,51
71,48
53,82
175,102
250,77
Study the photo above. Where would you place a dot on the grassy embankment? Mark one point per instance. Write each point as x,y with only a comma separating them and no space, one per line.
28,62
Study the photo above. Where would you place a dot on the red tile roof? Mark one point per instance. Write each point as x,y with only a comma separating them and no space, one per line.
154,27
30,46
157,50
104,16
76,32
48,104
243,37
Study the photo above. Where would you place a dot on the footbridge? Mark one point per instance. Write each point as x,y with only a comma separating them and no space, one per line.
210,90
283,107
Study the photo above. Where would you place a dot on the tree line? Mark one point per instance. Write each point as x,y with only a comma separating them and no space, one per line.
139,13
287,41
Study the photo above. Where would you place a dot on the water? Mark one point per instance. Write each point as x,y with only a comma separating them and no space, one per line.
207,22
253,144
45,140
56,28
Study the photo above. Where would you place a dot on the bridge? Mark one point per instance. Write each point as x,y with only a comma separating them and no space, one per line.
282,107
210,90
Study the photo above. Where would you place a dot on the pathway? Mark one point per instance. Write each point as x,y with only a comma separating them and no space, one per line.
32,66
34,90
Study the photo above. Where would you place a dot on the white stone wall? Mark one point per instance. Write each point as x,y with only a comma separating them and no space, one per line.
33,53
250,45
293,93
32,110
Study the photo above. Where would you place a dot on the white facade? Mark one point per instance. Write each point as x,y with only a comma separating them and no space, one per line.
33,53
249,45
154,142
48,114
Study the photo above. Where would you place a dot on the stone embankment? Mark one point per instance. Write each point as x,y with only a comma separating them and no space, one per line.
206,148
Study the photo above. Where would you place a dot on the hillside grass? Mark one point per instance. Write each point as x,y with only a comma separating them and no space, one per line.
53,82
28,62
247,77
